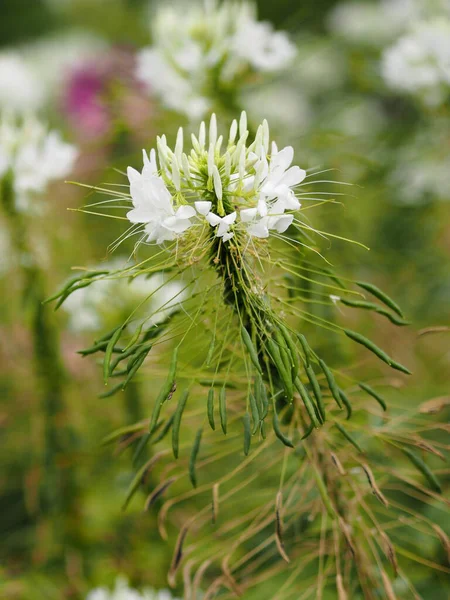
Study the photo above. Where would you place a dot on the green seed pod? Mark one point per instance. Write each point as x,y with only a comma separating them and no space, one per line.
247,434
350,438
346,403
307,402
316,391
308,432
132,372
331,383
223,409
306,348
360,339
138,479
210,408
424,469
284,352
164,431
193,458
372,289
250,348
255,413
263,430
134,338
166,390
374,394
261,397
112,391
282,372
177,422
292,351
108,353
280,435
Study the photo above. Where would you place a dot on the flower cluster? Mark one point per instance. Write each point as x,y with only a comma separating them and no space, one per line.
206,48
419,62
123,592
91,307
243,190
32,157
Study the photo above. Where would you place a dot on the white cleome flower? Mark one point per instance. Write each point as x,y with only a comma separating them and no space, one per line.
92,308
240,191
419,63
206,46
33,157
122,591
20,88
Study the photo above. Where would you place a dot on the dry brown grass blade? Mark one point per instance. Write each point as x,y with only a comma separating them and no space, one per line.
373,484
437,329
215,502
435,405
198,578
232,583
342,594
345,530
390,595
444,539
390,551
338,463
158,492
177,556
279,527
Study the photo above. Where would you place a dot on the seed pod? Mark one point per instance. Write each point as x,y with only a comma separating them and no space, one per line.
282,372
210,408
261,397
134,338
250,348
284,352
223,409
350,438
292,351
140,448
165,429
132,372
255,413
97,347
279,528
360,339
138,479
280,435
166,390
247,434
346,403
331,383
111,392
372,289
308,432
424,469
378,309
193,458
316,391
263,430
307,402
177,422
374,394
108,353
306,349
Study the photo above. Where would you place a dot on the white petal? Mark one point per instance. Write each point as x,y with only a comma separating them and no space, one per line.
213,219
293,176
133,175
217,182
185,212
248,214
229,219
262,207
282,223
259,230
227,236
284,158
140,215
203,207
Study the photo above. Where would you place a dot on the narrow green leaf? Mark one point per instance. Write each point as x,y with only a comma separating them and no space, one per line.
177,422
193,458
